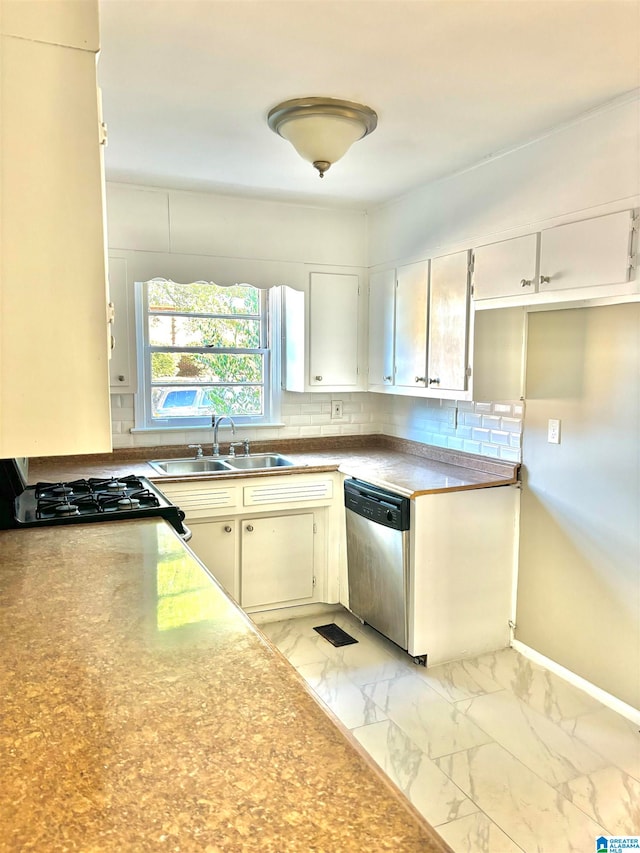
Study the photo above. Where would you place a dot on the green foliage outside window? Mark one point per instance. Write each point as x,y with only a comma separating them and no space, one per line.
212,339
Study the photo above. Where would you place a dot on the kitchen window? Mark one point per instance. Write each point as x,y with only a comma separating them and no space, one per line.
203,351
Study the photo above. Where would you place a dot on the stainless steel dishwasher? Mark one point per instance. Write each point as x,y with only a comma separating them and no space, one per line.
378,558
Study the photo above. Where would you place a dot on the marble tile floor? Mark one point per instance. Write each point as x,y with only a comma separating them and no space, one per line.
497,753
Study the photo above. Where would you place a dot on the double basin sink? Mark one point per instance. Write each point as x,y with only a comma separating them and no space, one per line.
220,464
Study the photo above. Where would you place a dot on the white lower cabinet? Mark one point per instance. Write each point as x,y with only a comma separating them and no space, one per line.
462,567
276,560
216,543
267,541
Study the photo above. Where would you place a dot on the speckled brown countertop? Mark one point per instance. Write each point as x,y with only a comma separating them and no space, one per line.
407,467
144,712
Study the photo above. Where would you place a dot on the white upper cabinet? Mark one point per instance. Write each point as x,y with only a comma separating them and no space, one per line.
588,259
54,352
69,23
121,367
585,254
418,345
507,268
382,289
411,325
334,303
322,336
448,323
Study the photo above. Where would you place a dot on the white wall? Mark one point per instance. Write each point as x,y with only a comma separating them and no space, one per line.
144,219
579,576
587,167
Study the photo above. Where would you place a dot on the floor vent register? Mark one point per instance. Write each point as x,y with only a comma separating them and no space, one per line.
335,635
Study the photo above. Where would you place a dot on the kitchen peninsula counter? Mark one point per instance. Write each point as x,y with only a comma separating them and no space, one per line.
144,711
406,467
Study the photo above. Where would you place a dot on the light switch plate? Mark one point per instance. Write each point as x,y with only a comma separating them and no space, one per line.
553,431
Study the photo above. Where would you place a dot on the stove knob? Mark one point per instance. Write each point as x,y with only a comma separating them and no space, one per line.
389,515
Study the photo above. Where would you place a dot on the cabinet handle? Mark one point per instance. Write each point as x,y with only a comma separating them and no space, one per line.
434,382
421,378
526,282
318,378
387,378
121,377
249,527
227,528
545,279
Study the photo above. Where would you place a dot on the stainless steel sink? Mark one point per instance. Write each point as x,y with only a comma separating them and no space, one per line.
205,465
258,460
213,464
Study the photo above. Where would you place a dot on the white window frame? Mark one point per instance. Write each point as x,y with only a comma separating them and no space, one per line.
143,412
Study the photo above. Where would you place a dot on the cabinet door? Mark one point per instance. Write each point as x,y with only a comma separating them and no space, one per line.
277,559
507,268
216,544
292,338
587,253
382,288
411,324
120,367
54,396
448,322
333,330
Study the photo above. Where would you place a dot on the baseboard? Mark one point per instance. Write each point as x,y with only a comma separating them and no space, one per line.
260,617
602,696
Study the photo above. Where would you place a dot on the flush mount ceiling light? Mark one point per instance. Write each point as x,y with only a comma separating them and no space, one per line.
322,129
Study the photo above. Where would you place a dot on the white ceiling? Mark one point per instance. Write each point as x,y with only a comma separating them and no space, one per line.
187,85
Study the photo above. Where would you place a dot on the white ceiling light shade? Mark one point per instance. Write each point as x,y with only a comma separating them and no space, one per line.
322,129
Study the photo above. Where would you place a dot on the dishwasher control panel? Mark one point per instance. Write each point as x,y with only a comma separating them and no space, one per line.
376,504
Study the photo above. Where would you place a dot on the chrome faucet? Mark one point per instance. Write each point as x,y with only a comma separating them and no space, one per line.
215,423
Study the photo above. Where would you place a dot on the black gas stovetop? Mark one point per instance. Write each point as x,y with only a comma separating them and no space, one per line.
93,500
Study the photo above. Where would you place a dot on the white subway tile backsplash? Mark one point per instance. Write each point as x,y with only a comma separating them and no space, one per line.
509,454
498,437
485,428
472,447
512,424
491,450
480,434
491,421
